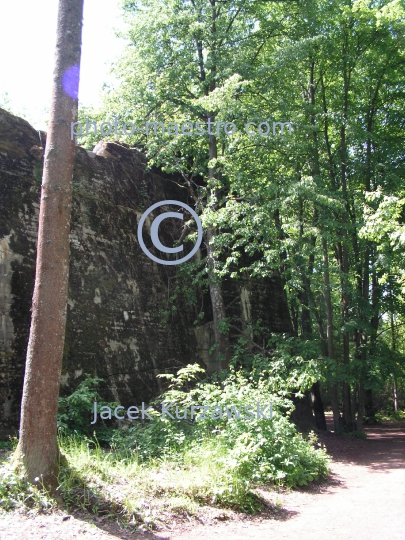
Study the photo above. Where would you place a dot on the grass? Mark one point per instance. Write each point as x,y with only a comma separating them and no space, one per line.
117,483
187,479
15,492
155,471
390,415
146,489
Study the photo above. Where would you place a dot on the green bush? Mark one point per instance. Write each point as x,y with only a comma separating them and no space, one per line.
390,414
172,463
75,411
256,450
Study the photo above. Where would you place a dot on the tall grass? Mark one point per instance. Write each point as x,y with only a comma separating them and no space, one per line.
149,471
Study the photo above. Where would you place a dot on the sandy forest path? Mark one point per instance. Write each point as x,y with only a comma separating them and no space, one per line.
363,499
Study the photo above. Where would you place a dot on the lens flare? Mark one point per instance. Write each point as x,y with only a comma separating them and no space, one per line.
70,81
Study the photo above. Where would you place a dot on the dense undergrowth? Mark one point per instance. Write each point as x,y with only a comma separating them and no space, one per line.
146,471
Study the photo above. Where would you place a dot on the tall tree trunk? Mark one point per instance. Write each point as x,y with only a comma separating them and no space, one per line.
342,248
364,284
329,335
221,354
362,401
337,420
317,403
342,261
395,394
368,403
37,451
376,294
394,348
318,408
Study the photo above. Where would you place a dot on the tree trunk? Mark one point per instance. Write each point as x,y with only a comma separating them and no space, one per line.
306,296
317,406
342,248
394,348
368,403
395,394
222,352
363,285
376,294
360,414
302,415
329,334
342,261
37,452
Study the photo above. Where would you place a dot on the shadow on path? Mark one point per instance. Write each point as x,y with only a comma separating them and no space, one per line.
384,448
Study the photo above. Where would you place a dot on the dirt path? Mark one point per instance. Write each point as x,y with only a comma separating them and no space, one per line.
364,499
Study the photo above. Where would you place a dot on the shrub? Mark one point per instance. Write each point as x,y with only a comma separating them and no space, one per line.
256,450
75,411
172,463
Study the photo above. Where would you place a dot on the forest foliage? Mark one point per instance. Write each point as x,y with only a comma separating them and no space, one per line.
323,206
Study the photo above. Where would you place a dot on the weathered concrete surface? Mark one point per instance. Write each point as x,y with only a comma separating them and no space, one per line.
120,325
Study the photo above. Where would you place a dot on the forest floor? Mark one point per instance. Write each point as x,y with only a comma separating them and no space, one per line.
364,498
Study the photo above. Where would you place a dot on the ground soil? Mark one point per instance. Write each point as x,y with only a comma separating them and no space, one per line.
364,498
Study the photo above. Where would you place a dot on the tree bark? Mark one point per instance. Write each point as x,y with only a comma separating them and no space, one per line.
368,404
363,285
360,413
317,403
329,333
394,348
395,394
342,247
37,453
221,355
343,267
222,352
317,406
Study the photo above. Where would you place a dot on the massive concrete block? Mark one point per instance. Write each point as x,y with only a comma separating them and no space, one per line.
116,293
120,323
